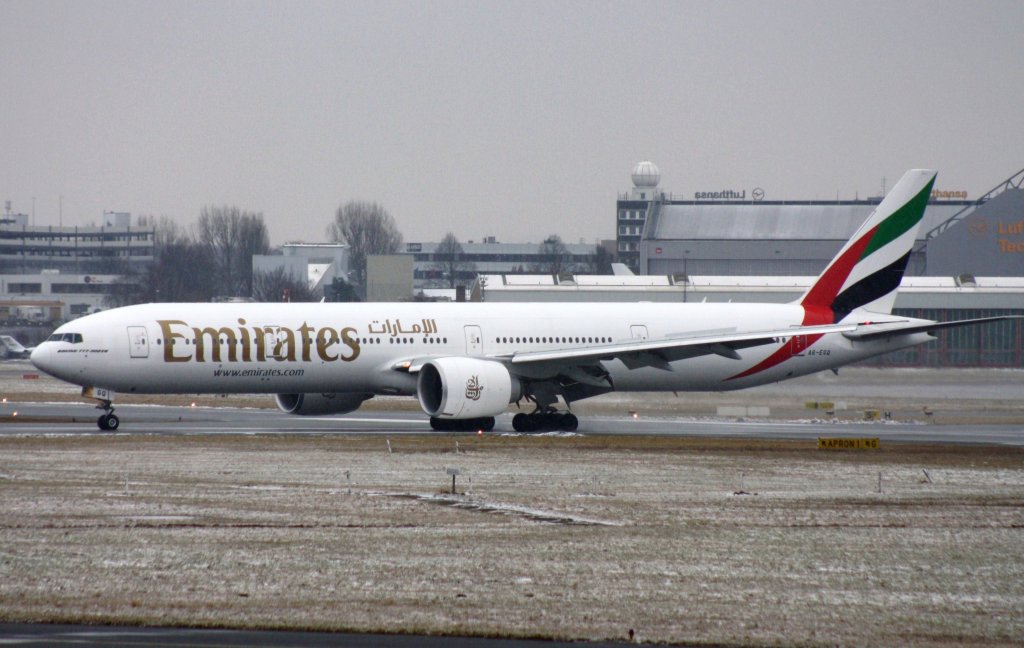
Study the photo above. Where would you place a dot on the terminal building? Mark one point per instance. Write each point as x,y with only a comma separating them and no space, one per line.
57,273
430,265
315,264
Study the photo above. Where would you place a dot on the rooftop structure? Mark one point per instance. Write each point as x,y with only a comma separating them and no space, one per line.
318,264
490,257
114,247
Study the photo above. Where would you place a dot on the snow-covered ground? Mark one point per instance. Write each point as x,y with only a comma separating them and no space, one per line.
735,542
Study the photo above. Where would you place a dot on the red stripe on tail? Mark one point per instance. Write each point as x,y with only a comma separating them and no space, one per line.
827,288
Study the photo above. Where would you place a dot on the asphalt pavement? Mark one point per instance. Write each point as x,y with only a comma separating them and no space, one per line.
74,418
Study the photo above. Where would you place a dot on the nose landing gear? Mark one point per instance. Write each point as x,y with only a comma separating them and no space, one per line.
105,397
109,420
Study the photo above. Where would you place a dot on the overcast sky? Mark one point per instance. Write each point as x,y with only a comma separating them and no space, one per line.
515,119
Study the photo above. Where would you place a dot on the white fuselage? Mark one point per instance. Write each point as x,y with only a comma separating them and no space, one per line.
355,347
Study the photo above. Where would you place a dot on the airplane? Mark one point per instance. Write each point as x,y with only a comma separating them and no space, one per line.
11,349
467,362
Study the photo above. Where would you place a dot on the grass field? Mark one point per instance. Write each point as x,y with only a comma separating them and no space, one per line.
582,537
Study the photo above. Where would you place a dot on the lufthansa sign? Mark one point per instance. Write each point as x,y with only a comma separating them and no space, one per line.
949,195
725,194
729,194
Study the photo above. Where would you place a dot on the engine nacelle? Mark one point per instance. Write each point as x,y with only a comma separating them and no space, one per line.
460,388
307,404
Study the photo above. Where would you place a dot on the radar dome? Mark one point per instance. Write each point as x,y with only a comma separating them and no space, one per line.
646,174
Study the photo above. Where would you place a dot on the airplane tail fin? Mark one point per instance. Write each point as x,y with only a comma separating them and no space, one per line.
868,269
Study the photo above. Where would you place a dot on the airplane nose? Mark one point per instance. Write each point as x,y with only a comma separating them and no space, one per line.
41,357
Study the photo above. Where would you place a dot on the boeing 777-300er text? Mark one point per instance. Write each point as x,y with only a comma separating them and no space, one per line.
466,362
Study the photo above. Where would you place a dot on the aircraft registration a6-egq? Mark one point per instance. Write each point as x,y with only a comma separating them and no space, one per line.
466,362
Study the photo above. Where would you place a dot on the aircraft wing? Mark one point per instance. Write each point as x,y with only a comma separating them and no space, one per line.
659,353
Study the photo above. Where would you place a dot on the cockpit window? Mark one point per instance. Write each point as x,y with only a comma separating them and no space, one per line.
73,338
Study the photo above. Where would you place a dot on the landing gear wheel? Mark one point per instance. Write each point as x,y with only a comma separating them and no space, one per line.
520,422
570,422
108,422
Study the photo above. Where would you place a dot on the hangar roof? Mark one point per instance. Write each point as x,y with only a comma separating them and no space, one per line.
776,221
915,292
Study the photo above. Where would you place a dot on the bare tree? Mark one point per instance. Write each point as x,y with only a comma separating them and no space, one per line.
232,237
450,260
182,270
340,290
253,239
600,263
277,285
128,289
553,256
368,229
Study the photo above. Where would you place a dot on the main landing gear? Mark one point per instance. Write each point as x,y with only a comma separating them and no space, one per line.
484,423
544,417
545,422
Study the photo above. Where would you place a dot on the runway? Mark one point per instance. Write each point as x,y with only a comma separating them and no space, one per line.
14,634
75,419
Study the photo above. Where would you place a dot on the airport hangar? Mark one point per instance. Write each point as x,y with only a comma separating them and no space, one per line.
735,245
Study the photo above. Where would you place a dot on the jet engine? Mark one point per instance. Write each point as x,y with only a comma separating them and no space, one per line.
307,404
464,388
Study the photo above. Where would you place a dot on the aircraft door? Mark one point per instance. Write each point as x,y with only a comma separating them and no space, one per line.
138,342
274,340
638,332
474,341
799,344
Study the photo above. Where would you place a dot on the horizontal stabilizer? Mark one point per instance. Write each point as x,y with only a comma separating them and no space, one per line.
888,329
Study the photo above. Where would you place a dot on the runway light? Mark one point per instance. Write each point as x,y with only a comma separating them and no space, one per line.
15,414
193,404
634,414
479,432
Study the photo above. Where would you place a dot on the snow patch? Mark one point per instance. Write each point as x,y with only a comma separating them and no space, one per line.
501,508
